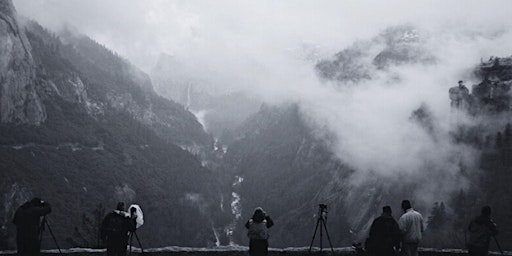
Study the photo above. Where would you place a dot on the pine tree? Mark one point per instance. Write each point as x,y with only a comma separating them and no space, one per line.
438,217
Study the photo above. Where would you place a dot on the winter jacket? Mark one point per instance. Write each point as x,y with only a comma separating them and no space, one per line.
258,226
384,234
481,230
117,225
28,216
411,226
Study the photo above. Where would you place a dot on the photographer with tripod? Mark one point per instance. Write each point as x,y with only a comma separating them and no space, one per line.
258,232
481,230
115,230
28,226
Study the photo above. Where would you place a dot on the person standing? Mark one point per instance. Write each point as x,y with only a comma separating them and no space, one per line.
411,228
459,96
384,235
481,229
114,230
258,227
28,226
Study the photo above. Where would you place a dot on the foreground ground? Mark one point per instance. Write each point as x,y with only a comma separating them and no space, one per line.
237,251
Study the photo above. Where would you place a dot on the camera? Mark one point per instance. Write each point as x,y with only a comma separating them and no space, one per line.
322,212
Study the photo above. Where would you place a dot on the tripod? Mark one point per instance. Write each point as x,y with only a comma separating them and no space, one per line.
322,219
131,240
43,223
498,244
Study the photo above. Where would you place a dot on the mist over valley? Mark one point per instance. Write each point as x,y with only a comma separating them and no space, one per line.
202,111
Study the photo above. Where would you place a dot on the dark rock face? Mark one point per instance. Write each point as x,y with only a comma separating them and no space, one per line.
102,135
19,100
492,95
393,47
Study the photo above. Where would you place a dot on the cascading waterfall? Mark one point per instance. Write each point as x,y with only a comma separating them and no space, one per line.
236,209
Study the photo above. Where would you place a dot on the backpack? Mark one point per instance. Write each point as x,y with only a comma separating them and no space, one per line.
258,230
115,225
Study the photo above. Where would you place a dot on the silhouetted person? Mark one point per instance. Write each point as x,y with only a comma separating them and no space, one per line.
114,230
481,229
384,235
411,228
459,95
258,232
28,226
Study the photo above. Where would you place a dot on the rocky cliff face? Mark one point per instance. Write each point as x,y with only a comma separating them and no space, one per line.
19,100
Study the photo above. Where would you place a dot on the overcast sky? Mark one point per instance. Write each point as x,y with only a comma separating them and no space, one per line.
140,30
259,47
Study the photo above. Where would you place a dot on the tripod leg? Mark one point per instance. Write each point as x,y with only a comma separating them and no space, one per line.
137,237
131,240
321,235
498,244
314,234
53,236
41,229
328,238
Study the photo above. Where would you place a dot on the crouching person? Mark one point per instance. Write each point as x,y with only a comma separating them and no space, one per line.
258,232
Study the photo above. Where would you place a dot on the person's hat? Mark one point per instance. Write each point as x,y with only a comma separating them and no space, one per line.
386,209
36,201
486,210
120,206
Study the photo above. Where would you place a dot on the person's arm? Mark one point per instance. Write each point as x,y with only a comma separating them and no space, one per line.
402,224
131,224
41,210
421,223
270,222
44,209
248,224
16,219
396,235
373,229
103,230
493,228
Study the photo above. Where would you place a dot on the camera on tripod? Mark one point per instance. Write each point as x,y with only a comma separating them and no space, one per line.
321,225
322,211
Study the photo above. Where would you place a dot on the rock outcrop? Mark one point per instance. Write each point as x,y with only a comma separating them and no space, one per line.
19,101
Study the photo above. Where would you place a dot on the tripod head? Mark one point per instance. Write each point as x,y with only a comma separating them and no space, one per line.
322,211
321,224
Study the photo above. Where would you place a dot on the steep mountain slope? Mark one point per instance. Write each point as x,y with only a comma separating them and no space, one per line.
284,169
86,130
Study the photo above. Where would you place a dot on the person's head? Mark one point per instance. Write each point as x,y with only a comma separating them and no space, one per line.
406,204
259,214
120,206
486,211
36,201
387,210
461,83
